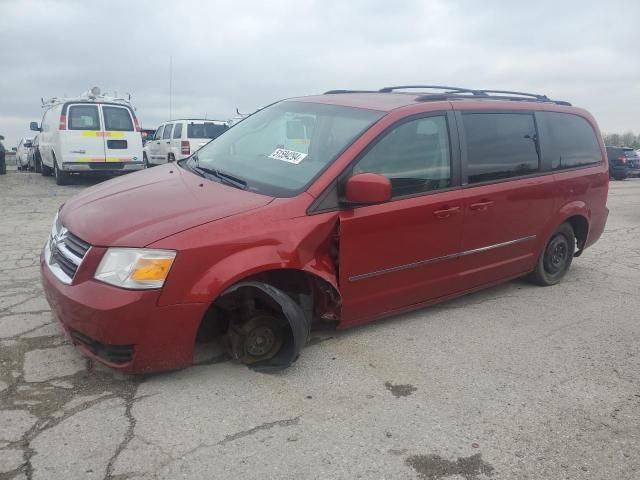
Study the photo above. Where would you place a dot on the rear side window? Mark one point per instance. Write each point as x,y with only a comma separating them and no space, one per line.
167,131
205,130
177,130
500,145
571,141
414,156
158,134
84,117
117,119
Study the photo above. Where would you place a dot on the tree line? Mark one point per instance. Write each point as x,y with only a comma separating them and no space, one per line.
627,139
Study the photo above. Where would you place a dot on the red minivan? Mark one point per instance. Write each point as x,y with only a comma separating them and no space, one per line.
329,210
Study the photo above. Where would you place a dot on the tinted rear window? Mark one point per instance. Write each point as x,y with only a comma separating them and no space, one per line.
167,131
500,145
205,130
117,119
570,142
84,117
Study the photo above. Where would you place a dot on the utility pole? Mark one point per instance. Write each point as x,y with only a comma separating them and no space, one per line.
170,87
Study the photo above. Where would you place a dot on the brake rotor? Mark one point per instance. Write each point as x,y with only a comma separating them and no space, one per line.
259,338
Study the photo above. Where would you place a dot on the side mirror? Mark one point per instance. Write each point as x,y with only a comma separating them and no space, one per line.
368,188
34,126
14,149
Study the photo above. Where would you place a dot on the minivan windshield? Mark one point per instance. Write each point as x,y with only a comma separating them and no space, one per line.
280,149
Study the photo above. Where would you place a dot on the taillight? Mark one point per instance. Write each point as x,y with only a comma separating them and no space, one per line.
623,159
63,122
185,147
135,122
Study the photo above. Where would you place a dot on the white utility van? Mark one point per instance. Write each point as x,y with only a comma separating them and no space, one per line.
178,139
92,133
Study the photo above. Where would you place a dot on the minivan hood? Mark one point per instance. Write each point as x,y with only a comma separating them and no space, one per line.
140,208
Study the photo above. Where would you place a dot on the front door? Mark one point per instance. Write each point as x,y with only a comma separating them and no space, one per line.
403,252
504,214
82,141
154,146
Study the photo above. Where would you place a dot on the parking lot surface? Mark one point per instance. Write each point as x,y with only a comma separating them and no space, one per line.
515,382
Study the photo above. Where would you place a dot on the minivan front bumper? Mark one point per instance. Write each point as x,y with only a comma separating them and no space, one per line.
124,329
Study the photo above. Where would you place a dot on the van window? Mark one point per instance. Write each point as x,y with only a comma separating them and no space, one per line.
500,145
177,130
167,131
571,141
84,117
414,156
205,130
117,119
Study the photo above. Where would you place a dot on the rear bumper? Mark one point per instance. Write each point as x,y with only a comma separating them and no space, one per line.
123,329
101,167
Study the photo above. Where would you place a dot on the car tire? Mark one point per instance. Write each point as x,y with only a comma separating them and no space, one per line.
145,161
45,170
62,178
620,177
171,158
37,163
556,258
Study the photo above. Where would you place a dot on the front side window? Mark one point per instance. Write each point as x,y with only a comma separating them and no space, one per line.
177,130
279,150
571,141
414,156
158,134
500,145
167,131
117,119
84,117
205,130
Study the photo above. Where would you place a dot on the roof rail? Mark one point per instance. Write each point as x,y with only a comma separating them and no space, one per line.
438,87
461,93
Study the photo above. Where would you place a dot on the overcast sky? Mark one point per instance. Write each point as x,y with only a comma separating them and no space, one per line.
246,54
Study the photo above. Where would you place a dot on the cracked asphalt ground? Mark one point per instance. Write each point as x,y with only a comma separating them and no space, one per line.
515,382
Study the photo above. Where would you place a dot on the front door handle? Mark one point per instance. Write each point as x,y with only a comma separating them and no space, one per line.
446,212
481,205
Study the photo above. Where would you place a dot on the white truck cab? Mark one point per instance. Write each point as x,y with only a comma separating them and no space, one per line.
178,139
92,133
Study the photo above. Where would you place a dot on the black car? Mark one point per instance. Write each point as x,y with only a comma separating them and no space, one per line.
623,162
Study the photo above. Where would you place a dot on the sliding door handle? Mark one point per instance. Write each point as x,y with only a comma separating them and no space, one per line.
481,205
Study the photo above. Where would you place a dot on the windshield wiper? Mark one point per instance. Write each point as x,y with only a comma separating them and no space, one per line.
223,177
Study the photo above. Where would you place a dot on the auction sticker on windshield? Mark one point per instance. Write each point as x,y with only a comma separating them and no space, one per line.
289,156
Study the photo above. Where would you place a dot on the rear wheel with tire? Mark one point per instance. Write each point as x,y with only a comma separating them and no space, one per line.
556,258
62,178
45,170
171,158
145,160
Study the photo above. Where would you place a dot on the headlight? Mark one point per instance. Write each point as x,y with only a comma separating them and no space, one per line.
135,268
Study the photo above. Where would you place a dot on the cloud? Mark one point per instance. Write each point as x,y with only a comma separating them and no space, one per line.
249,53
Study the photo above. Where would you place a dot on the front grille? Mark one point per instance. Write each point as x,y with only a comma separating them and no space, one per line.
65,252
76,245
118,354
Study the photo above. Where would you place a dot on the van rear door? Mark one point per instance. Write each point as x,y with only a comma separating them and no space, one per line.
122,138
82,142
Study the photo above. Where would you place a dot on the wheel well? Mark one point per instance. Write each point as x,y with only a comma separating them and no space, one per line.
580,227
318,299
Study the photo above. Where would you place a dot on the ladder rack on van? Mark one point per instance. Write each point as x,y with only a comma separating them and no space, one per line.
91,96
459,93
